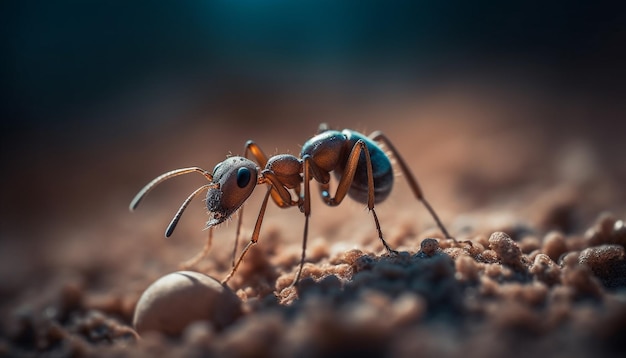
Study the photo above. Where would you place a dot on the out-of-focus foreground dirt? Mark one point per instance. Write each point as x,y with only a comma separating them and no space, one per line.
548,170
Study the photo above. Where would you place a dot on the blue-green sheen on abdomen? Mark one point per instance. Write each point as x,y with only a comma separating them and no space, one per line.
381,169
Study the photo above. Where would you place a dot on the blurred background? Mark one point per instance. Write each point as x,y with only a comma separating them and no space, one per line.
486,102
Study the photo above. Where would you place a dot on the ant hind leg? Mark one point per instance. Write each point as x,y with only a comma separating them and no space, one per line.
410,178
346,181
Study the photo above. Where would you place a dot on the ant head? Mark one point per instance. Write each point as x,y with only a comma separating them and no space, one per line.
237,178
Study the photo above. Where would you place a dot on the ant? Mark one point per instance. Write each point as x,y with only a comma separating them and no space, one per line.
363,169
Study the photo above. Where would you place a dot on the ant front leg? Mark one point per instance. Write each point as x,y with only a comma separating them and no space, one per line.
253,240
267,177
260,157
346,181
257,153
305,207
417,191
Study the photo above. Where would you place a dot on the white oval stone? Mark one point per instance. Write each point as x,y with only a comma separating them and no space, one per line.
178,299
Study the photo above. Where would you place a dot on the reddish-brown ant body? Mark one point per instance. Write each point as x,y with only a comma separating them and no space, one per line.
363,170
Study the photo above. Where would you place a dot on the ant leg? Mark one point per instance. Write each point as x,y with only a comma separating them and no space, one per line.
302,257
379,136
306,209
285,200
254,239
205,250
237,233
276,186
257,153
261,158
346,181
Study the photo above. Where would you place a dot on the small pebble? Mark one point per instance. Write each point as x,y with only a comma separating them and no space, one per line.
607,262
529,244
507,250
606,230
554,245
429,246
178,299
546,270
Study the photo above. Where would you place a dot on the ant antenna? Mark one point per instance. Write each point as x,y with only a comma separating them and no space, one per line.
174,173
179,213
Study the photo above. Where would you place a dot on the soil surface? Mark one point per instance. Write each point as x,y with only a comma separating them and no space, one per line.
530,183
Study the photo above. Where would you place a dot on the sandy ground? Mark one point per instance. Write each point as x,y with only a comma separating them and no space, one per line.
546,169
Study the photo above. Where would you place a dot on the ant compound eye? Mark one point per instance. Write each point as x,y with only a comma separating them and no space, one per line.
243,177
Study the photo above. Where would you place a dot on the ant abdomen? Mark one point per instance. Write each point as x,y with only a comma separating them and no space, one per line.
330,150
382,170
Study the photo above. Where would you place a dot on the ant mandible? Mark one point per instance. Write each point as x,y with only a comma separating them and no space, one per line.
363,169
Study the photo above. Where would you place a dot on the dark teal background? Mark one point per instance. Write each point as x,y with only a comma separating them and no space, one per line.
63,59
